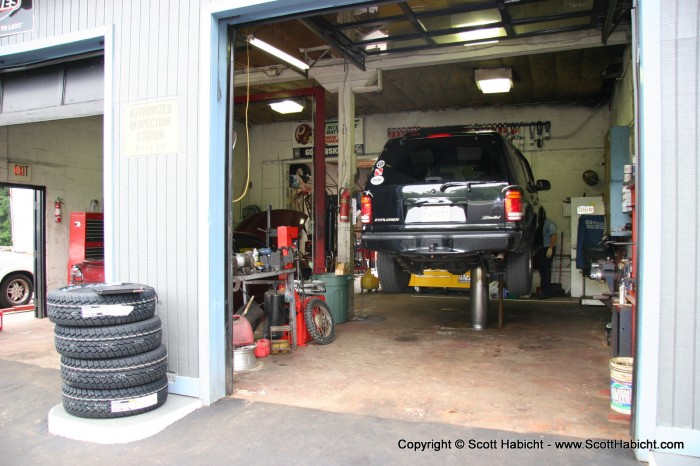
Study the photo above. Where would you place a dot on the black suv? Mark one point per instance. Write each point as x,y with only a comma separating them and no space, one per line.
451,199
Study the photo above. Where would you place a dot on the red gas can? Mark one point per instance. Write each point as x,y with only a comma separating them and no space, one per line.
242,331
262,348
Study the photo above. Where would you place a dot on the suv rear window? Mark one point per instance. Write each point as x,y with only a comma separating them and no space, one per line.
441,159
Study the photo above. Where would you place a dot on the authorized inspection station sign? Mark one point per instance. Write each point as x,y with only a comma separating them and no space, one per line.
151,128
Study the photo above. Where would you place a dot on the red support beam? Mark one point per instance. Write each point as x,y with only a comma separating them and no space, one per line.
319,259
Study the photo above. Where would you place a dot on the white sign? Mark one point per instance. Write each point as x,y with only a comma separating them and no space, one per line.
151,128
585,209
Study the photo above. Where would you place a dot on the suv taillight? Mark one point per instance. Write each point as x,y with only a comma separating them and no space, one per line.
366,209
514,205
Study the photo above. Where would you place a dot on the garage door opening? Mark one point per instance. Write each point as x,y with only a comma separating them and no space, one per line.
424,340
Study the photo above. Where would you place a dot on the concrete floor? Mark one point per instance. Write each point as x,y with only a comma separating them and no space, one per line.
414,358
407,368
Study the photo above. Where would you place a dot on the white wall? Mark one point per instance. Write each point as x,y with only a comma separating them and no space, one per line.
577,144
66,157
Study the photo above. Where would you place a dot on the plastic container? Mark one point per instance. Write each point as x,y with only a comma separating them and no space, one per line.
262,348
621,384
369,282
337,294
242,331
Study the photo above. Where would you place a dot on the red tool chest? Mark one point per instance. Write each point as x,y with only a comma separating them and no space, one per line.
86,240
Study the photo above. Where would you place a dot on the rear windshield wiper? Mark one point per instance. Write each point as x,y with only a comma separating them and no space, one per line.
468,184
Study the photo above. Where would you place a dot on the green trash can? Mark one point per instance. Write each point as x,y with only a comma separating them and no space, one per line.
337,289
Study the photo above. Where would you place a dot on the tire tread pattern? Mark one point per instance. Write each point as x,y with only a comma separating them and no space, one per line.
65,305
116,341
391,276
519,272
107,374
97,404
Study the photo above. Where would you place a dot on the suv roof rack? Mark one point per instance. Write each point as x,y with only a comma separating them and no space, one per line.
452,129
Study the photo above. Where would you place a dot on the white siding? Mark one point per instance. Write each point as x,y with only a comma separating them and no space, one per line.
679,352
155,201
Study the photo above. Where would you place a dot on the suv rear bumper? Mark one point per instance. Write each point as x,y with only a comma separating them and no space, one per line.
450,245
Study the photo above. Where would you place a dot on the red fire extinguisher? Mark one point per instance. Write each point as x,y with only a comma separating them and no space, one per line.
344,205
57,209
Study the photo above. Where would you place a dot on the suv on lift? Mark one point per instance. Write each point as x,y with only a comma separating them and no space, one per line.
451,199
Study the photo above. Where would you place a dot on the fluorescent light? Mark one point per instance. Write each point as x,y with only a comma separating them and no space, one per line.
287,106
481,43
274,51
493,81
482,34
476,18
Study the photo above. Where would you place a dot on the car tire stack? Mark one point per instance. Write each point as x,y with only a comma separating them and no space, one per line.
112,361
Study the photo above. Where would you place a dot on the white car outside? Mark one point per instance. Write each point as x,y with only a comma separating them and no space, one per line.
16,277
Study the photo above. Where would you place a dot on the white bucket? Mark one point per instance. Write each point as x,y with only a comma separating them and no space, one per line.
621,384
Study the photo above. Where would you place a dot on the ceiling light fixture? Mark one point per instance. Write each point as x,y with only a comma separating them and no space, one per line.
486,42
482,34
287,106
492,81
274,51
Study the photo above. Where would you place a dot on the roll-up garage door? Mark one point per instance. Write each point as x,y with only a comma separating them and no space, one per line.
70,88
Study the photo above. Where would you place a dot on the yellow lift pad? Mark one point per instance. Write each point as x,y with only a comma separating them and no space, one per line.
440,279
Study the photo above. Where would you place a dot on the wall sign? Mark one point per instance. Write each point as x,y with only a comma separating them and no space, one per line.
151,128
19,172
16,16
303,139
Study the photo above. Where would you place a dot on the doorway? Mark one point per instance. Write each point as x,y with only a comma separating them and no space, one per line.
23,247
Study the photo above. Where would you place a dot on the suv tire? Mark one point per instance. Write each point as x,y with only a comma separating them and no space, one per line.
121,402
519,272
392,277
78,306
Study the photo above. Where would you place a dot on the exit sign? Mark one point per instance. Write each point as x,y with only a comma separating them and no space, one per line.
19,172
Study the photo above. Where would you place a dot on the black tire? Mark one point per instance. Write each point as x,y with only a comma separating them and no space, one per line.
392,277
108,374
117,341
81,306
16,290
319,321
519,272
122,402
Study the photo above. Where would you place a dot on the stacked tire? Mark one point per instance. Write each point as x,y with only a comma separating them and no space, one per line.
112,361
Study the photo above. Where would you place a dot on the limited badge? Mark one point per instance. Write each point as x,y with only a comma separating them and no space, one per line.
377,180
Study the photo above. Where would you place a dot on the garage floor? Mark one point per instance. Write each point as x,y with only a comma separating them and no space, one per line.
414,357
408,368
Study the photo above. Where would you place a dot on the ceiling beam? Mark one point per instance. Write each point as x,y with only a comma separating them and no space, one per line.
331,73
326,31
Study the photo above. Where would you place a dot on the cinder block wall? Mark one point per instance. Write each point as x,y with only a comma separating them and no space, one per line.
66,157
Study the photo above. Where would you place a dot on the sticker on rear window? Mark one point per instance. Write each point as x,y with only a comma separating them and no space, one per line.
378,171
377,180
380,164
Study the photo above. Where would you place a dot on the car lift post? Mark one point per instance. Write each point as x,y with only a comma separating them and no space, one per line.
479,298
